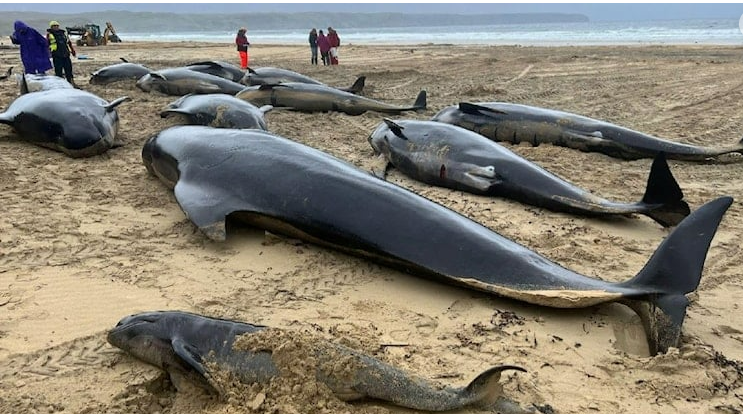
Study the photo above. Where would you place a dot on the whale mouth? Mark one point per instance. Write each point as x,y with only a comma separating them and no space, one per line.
484,172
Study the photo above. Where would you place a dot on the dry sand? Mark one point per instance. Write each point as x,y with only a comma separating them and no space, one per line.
84,242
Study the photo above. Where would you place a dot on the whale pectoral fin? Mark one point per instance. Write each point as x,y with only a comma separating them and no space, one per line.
124,60
167,112
207,210
210,87
347,394
189,354
591,138
110,107
266,108
380,167
580,204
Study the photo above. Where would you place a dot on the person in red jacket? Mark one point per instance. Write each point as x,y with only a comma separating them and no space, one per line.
335,42
241,40
324,46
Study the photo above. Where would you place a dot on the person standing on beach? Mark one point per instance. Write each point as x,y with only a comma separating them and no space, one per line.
61,48
313,46
241,40
324,46
335,43
34,48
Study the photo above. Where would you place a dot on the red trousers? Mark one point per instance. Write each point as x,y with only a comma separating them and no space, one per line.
244,58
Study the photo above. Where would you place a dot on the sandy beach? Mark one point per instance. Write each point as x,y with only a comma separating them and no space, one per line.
85,242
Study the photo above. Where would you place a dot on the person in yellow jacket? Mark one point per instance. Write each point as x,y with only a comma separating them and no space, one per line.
61,48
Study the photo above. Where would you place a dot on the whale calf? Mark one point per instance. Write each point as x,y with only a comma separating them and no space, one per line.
188,346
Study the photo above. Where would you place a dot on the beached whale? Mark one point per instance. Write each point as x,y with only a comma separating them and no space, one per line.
507,122
273,76
305,97
182,81
450,156
35,82
282,186
118,72
218,111
191,347
218,68
72,121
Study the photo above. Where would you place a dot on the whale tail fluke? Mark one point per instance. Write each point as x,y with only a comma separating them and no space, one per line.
663,190
7,74
486,389
674,270
420,102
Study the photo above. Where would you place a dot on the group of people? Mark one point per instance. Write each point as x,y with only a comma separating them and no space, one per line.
327,44
36,49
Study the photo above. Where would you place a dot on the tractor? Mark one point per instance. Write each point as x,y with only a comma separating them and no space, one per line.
90,34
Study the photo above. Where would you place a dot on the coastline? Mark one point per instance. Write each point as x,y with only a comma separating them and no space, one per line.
84,242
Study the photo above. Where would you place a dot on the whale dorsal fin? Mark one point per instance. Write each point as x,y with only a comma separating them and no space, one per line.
250,70
469,108
272,86
210,63
395,128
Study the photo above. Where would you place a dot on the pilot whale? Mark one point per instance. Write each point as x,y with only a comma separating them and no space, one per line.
304,97
272,76
507,122
284,187
72,121
189,346
449,156
118,72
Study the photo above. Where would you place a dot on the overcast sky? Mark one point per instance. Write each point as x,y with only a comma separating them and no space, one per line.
594,11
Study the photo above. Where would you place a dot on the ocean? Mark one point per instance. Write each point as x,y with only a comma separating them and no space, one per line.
702,31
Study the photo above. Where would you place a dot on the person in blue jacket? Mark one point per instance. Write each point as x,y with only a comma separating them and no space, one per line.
34,48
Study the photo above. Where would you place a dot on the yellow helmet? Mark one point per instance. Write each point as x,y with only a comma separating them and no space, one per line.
53,23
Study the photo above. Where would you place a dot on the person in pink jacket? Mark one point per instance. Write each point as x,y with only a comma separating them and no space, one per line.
324,45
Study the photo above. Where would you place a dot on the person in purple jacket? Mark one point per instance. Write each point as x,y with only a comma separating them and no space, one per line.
324,45
34,48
